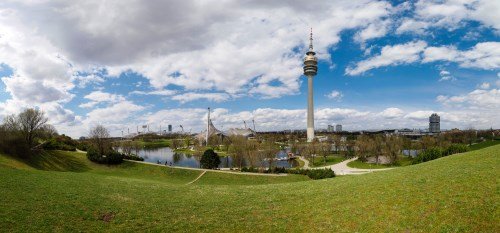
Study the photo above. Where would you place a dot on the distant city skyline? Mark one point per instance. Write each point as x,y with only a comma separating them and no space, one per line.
383,64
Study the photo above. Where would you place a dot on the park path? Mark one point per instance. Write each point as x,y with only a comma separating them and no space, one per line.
342,168
306,162
197,178
210,170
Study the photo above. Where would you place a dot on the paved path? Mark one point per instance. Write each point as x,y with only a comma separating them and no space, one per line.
306,162
210,170
342,168
197,178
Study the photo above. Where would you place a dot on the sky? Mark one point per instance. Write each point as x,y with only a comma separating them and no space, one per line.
122,64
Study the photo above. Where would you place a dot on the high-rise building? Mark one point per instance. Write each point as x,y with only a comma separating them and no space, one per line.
310,70
434,123
330,129
170,128
338,128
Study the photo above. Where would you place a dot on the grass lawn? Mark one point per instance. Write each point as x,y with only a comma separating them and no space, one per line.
155,143
484,144
330,160
458,193
403,161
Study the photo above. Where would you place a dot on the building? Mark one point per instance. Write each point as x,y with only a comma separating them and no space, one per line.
310,70
330,129
170,128
338,128
434,123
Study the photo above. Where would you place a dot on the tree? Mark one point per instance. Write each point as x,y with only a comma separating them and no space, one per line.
427,142
31,122
209,159
99,138
365,147
268,150
324,150
394,144
127,147
175,144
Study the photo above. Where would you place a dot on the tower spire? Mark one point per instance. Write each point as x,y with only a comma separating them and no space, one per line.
311,40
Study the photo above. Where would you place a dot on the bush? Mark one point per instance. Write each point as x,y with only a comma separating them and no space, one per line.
455,149
133,157
209,159
314,174
428,155
54,144
111,157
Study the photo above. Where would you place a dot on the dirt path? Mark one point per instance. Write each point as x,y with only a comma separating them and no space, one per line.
197,178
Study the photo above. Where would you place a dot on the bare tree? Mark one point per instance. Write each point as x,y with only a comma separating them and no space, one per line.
394,144
99,137
126,147
30,123
268,149
365,147
324,149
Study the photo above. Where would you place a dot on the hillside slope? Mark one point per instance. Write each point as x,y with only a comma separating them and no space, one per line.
459,193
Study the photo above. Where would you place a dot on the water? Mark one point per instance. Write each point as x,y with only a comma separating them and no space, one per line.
411,153
165,154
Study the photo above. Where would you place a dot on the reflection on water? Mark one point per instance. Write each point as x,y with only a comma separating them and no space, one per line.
165,155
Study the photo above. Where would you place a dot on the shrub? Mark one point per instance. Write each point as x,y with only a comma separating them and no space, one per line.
209,159
317,174
111,157
455,149
133,157
428,155
54,144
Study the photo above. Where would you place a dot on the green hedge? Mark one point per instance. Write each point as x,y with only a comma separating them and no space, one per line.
314,174
437,152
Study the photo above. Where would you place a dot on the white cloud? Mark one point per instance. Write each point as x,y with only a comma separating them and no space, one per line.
392,113
335,95
485,85
190,96
390,56
446,76
155,92
97,97
451,14
484,55
477,99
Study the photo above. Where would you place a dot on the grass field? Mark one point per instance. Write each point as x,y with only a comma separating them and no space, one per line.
330,160
484,144
403,161
458,193
155,143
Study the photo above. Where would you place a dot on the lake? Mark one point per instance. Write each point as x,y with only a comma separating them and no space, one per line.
165,154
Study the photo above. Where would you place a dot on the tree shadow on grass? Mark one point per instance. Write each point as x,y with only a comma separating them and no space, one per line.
57,161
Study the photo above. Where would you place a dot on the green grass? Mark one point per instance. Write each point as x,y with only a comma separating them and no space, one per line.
484,144
403,161
330,160
155,144
458,193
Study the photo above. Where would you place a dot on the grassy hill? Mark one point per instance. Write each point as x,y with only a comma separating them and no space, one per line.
459,193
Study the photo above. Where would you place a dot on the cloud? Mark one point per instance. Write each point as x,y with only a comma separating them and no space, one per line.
485,85
392,113
335,95
477,99
390,56
187,97
209,49
446,76
155,92
450,14
485,55
97,97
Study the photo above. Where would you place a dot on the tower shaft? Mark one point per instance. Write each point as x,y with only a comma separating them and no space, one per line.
310,109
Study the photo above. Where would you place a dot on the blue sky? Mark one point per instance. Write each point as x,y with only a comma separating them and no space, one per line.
383,64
